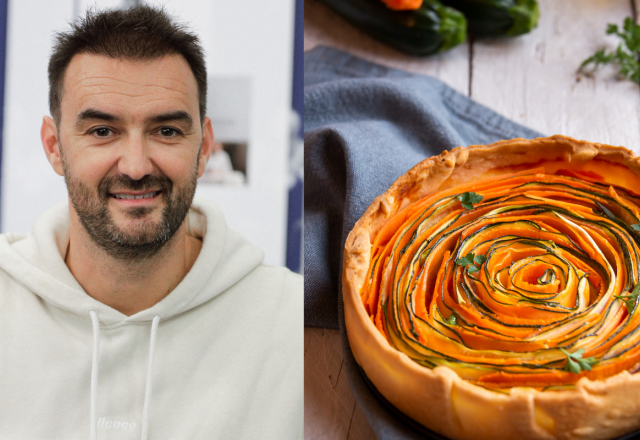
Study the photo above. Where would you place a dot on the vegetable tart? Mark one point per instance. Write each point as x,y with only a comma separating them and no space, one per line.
492,291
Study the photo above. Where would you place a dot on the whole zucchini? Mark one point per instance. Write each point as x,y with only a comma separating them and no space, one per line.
431,28
498,17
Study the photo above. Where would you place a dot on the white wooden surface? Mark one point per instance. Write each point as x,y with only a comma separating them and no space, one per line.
531,79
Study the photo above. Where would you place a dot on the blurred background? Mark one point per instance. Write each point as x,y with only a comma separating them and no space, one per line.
254,63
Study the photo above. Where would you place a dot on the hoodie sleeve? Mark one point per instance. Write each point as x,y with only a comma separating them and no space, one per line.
293,301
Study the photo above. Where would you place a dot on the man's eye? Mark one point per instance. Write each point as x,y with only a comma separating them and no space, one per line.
101,132
168,132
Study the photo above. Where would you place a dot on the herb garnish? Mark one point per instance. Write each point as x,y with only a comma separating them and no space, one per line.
636,227
576,364
469,198
451,320
630,300
469,260
626,57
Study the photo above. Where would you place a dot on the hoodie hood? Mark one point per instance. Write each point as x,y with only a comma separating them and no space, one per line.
36,260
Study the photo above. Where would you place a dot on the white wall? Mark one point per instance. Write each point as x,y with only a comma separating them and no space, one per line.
241,38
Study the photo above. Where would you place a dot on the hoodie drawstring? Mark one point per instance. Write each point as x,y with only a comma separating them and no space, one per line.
94,376
147,391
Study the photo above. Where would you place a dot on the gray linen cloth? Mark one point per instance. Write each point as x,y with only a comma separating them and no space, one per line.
364,126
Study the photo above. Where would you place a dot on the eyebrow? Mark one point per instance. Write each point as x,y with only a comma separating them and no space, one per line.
93,114
178,115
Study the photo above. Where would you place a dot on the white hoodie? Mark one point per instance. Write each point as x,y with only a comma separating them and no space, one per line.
221,357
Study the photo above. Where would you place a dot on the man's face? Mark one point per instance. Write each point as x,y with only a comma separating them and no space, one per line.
131,147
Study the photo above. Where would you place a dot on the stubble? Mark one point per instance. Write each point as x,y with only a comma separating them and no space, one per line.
142,240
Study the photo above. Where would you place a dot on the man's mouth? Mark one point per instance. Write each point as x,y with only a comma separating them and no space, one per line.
134,196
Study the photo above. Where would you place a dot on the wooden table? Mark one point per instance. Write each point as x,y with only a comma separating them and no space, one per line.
530,79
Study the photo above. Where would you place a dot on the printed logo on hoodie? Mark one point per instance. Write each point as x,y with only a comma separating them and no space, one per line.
115,424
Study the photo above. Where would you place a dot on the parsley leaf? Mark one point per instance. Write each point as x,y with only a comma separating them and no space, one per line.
468,199
626,55
630,300
468,262
636,227
465,261
575,363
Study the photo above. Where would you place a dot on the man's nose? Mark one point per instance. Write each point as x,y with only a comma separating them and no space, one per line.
134,160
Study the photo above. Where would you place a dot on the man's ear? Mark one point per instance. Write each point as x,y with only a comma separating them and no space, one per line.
49,137
207,145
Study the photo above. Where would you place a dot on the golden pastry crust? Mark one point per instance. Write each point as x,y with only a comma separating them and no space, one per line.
438,398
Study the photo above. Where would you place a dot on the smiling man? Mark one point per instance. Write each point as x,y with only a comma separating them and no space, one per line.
130,150
132,311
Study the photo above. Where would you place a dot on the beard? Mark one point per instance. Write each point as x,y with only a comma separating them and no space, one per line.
135,242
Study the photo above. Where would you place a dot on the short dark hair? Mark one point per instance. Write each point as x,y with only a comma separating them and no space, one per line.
139,33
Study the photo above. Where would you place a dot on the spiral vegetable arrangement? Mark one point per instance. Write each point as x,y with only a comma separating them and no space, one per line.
528,279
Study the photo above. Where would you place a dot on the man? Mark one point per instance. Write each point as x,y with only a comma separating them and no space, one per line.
131,312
